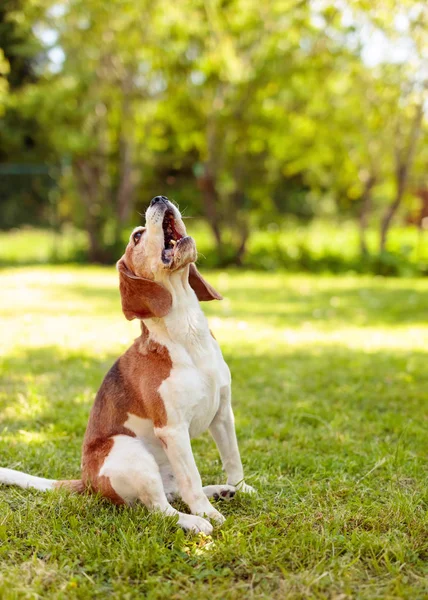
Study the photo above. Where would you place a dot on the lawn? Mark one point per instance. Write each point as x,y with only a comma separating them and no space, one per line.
330,395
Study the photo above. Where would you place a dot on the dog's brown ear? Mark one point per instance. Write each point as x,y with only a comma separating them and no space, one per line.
202,288
141,298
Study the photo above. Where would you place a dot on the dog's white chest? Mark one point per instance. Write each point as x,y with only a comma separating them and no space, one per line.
205,404
192,391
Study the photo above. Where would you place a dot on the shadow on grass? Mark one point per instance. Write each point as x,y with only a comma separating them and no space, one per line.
49,387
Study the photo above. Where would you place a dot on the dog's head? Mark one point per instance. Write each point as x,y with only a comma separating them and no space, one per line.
153,254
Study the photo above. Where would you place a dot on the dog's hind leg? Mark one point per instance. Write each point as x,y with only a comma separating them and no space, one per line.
132,472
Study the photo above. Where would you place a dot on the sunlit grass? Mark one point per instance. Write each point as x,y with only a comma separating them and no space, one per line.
330,393
28,245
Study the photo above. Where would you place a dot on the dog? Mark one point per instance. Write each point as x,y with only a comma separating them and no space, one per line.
171,385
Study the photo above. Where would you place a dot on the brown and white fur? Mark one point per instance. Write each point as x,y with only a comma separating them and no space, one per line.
171,385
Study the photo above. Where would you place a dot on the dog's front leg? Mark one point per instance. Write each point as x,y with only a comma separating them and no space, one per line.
223,431
177,446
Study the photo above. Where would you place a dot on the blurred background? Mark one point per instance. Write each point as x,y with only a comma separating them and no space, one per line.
293,132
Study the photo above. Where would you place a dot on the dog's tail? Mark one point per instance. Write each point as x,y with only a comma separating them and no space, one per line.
23,480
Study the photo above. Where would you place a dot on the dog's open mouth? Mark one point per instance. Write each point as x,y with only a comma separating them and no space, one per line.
170,233
171,236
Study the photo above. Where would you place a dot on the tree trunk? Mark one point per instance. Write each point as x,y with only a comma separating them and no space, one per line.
366,206
125,198
207,181
207,185
242,248
87,178
240,218
404,162
126,191
392,208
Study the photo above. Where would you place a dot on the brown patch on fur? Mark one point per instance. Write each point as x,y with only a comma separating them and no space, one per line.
92,461
131,386
141,298
105,488
212,335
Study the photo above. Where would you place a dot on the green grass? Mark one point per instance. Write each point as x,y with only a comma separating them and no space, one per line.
29,245
330,395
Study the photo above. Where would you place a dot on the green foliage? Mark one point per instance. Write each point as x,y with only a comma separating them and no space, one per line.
243,112
25,183
330,387
19,43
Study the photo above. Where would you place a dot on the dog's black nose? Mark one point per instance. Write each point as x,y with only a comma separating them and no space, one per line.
158,199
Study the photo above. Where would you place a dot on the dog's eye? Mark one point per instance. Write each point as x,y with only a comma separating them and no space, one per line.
137,236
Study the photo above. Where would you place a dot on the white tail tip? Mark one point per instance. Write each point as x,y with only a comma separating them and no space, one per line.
11,477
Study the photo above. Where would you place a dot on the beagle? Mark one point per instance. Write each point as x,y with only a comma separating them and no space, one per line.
171,385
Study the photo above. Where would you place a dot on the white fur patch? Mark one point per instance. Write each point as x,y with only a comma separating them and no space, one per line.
11,477
140,427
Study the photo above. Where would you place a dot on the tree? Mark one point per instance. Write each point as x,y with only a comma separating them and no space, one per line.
405,150
244,106
394,93
89,106
23,196
250,69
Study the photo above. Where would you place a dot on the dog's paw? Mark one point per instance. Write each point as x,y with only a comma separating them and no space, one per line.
195,524
220,492
215,516
246,489
204,508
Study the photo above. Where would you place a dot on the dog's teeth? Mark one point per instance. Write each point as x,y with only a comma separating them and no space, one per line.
173,242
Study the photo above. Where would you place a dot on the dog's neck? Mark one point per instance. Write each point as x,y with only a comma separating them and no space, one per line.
186,323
